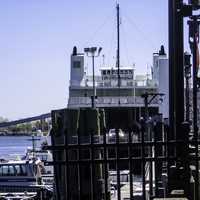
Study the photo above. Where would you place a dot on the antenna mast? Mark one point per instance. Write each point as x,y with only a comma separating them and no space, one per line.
118,45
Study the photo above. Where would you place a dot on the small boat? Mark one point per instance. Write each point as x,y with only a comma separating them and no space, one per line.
21,175
18,195
44,156
33,153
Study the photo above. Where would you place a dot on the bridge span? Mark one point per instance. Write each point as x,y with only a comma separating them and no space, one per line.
25,120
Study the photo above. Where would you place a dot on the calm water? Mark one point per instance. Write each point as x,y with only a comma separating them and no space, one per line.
13,146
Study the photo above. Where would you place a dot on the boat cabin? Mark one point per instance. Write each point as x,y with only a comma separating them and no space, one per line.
23,172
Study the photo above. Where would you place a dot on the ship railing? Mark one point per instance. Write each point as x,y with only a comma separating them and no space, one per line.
100,101
126,81
112,82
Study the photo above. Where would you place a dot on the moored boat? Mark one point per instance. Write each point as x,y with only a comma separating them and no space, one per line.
21,175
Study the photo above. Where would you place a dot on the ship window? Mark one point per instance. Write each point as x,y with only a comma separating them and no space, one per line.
17,169
43,157
104,72
108,72
77,64
11,171
3,170
7,170
23,170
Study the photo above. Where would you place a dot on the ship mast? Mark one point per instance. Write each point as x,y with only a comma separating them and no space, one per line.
118,48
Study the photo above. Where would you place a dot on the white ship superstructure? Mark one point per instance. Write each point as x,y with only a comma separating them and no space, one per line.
108,91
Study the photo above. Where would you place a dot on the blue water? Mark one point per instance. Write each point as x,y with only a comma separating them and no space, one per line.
14,146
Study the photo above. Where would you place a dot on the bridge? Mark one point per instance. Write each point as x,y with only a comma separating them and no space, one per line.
25,120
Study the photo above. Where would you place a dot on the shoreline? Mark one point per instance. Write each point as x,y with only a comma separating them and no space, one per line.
21,134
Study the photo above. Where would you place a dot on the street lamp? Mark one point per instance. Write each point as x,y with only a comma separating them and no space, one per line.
91,52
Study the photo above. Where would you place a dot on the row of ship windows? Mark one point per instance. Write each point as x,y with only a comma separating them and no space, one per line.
115,77
108,72
112,84
13,170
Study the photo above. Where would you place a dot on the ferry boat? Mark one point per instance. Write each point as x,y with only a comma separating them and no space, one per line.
117,86
127,96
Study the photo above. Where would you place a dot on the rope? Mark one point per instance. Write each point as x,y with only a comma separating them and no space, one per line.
99,28
125,44
111,45
144,36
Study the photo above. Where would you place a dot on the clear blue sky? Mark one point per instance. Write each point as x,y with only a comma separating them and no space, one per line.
37,37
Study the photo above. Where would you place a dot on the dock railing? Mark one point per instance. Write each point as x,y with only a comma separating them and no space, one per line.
91,157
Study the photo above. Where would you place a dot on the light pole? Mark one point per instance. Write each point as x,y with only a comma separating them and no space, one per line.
92,52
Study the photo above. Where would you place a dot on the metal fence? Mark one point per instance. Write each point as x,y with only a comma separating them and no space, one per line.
146,164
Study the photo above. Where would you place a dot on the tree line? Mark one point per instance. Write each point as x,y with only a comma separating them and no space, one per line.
29,127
